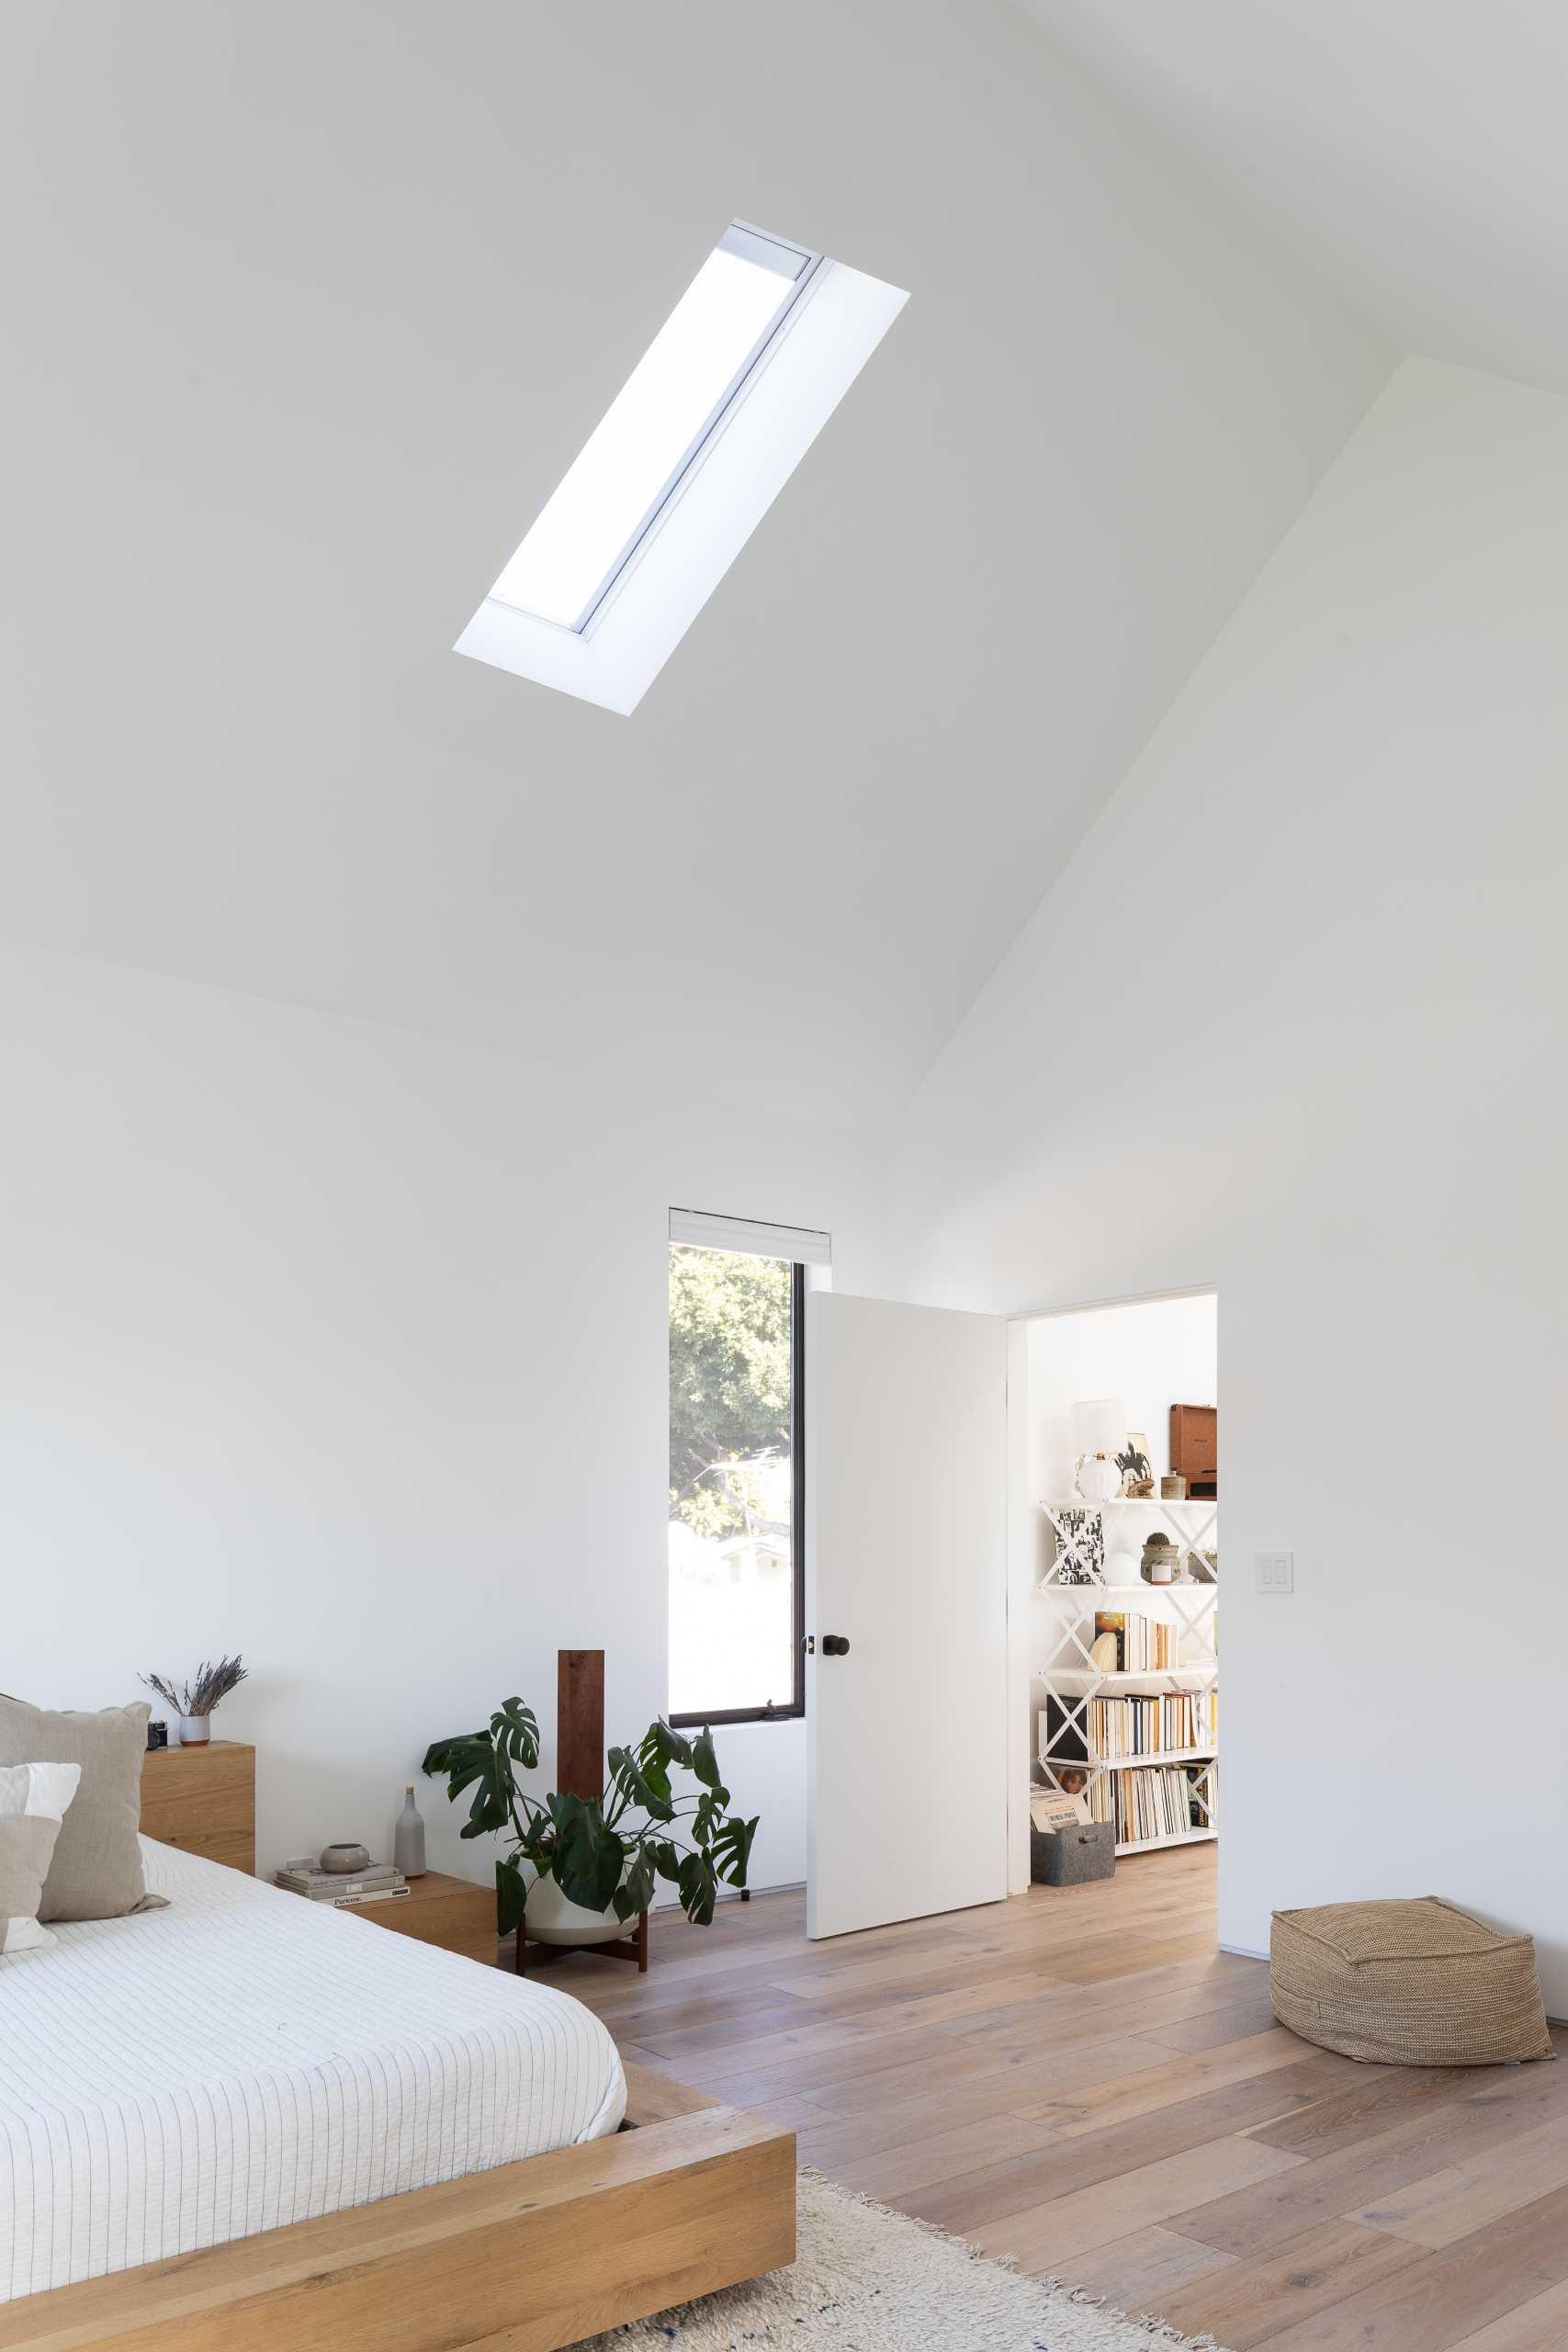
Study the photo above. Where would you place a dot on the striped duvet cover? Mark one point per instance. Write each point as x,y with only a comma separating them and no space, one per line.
245,2059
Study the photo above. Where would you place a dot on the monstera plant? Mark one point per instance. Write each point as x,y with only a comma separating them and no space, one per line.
606,1853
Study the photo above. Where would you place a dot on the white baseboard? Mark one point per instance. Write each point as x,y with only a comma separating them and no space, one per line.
1243,1951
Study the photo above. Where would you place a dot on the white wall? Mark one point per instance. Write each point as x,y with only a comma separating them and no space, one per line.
331,415
303,1349
1327,901
347,1349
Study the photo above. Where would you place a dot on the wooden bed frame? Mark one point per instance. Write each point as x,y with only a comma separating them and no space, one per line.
523,2259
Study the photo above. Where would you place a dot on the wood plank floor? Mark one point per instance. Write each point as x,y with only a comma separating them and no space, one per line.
1078,2078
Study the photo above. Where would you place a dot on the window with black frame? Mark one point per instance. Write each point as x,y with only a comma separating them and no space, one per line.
737,1467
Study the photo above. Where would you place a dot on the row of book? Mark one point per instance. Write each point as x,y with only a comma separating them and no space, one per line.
376,1882
1152,1726
1161,1802
1079,1731
1144,1645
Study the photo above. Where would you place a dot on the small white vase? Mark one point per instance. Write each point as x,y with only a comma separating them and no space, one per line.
1099,1479
195,1731
553,1920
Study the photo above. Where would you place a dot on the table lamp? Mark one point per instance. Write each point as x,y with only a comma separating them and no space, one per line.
1100,1426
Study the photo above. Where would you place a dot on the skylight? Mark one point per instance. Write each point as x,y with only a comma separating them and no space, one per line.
654,428
691,453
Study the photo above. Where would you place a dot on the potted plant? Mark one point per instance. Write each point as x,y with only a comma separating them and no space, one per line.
1159,1561
595,1860
194,1702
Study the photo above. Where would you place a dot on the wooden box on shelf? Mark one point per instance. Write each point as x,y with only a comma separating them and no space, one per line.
452,1912
203,1800
1195,1449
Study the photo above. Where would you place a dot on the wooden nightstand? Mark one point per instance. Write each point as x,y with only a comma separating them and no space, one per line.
203,1800
451,1912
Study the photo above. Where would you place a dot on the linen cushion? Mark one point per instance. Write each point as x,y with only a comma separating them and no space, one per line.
33,1802
96,1871
1409,1983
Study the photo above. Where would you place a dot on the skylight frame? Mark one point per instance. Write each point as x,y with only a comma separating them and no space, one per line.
741,240
817,349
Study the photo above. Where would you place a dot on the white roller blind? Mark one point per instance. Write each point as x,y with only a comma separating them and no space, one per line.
701,1231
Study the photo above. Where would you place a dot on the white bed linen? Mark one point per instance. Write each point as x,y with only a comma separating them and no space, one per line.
245,2059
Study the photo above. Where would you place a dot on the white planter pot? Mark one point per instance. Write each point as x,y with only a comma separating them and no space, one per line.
553,1920
195,1731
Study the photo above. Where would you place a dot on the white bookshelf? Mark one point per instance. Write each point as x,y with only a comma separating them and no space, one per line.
1166,1756
1089,1682
1066,1675
1155,1845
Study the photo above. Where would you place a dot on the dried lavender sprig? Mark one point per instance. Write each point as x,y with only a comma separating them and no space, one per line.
205,1688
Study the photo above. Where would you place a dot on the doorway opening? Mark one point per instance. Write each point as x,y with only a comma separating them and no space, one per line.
1113,1548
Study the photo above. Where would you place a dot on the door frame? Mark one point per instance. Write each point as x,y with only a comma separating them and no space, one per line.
1023,1544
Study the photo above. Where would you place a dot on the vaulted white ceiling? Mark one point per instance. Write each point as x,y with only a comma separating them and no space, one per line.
1414,150
308,308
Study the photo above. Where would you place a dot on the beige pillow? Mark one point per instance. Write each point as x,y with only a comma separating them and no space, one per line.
33,1801
96,1872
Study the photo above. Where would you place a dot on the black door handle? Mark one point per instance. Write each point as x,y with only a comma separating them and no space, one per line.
835,1646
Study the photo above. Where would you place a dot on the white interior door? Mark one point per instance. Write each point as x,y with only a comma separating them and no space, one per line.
905,1560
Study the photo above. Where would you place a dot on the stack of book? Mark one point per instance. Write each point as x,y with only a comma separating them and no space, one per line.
1091,1731
1149,1726
1144,1645
376,1882
1156,1803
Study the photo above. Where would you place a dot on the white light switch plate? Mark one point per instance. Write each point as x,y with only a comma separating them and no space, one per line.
1275,1571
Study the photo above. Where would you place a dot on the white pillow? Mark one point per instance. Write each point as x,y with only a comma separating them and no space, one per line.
33,1802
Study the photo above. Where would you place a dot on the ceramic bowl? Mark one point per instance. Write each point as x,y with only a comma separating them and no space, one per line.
343,1857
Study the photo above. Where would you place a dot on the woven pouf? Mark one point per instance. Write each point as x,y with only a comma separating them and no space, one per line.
1416,1983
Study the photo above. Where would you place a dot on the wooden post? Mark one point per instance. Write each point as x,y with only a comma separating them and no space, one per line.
580,1772
579,1723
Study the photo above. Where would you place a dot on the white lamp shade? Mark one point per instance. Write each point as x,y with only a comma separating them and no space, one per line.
1100,1425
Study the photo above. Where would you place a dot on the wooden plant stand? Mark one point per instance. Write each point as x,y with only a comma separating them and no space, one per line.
632,1947
580,1772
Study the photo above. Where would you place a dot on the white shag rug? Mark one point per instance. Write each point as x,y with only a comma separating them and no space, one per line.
869,2281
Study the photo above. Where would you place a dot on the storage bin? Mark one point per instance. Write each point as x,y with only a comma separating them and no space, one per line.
1073,1857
